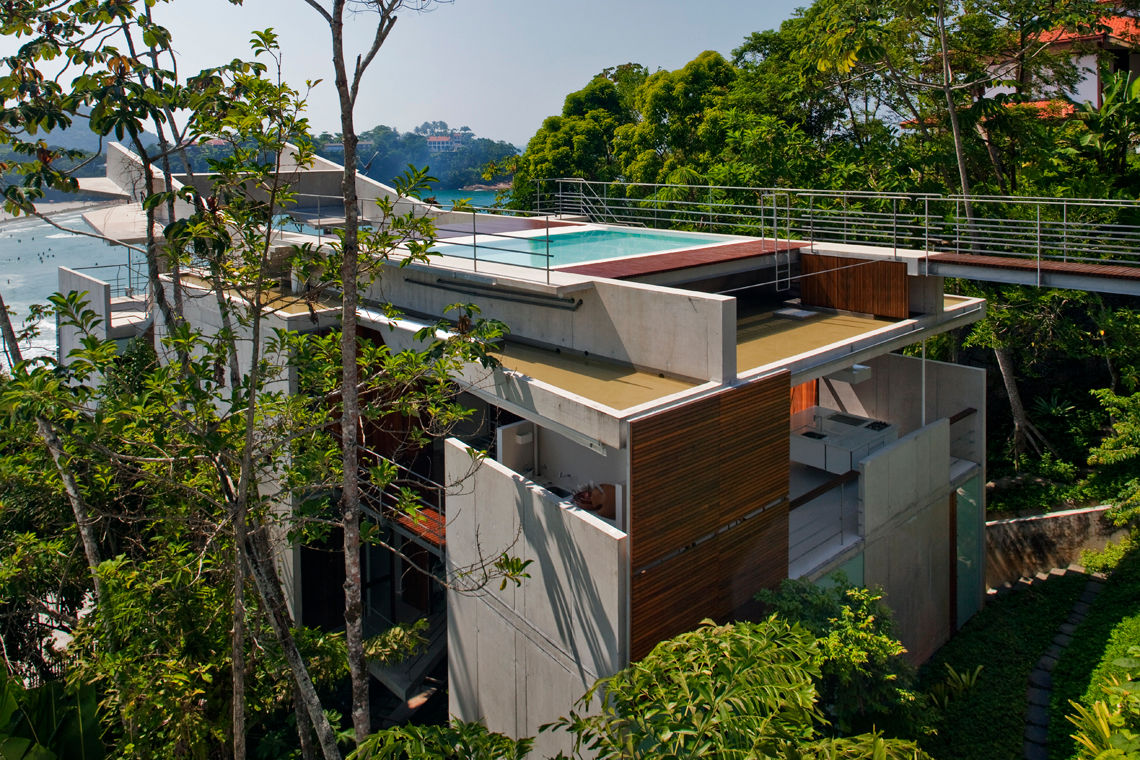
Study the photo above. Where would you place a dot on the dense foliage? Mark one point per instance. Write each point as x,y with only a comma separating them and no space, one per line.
943,97
741,691
863,680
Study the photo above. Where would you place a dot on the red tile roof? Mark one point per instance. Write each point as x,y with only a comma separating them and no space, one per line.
1124,29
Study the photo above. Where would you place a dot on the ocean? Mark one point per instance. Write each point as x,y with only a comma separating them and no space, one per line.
31,251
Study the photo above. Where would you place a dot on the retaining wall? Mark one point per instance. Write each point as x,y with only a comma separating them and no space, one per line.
1029,545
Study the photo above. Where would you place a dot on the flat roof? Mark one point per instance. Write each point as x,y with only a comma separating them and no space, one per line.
765,337
275,299
615,384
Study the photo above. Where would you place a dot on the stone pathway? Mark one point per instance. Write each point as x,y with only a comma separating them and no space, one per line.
1041,679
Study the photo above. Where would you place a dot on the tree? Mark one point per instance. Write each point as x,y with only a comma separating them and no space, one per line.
734,691
863,681
581,141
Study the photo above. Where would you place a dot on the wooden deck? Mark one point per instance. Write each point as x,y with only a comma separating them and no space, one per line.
653,263
429,525
1050,266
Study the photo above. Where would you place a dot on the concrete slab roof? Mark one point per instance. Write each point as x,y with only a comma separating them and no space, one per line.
614,384
764,337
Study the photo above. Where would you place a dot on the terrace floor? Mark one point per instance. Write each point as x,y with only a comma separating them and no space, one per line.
615,384
763,336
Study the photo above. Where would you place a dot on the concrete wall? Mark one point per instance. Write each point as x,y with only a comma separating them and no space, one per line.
1088,88
125,169
200,309
98,299
905,490
894,393
617,320
1025,546
520,657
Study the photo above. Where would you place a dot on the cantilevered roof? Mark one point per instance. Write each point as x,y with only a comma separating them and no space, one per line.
764,337
615,384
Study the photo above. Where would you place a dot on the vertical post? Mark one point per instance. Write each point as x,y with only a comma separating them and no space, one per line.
1065,229
1038,244
547,256
895,227
474,242
957,230
926,230
845,218
811,221
923,383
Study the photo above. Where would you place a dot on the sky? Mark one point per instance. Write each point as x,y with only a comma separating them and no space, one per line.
497,66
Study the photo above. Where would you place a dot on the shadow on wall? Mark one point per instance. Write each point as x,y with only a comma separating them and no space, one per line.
1025,546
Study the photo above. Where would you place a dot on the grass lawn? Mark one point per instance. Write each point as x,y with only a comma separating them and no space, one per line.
1007,638
1111,626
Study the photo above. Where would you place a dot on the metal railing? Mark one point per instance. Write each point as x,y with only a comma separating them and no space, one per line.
1078,230
127,280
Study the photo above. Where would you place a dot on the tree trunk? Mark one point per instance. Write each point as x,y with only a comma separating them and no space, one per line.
1024,431
304,729
79,506
237,640
269,585
350,378
952,110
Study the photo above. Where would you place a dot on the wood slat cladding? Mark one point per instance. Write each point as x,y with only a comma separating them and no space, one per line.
697,467
805,396
694,471
870,287
716,579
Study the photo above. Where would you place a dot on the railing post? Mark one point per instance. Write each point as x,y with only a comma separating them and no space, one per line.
1065,229
1038,244
895,227
548,249
811,221
474,242
845,218
957,229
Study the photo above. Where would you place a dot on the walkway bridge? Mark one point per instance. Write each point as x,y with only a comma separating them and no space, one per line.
1073,243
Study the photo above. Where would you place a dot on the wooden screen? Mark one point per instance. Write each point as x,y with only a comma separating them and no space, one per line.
805,396
715,579
695,472
869,287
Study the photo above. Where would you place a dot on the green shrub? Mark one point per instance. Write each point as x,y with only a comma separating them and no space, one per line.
864,682
1111,555
1111,726
1111,627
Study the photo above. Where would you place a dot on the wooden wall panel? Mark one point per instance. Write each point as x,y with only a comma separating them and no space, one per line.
805,396
694,471
870,287
698,467
716,579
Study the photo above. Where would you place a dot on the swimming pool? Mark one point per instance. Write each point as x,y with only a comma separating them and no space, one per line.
577,247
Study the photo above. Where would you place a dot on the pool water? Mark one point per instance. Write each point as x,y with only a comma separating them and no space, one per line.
578,247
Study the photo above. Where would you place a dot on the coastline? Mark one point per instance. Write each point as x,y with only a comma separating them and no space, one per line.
498,187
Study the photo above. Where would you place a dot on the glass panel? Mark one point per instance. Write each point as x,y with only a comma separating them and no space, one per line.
971,549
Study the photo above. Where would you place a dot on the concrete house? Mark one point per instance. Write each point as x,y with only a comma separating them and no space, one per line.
678,420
